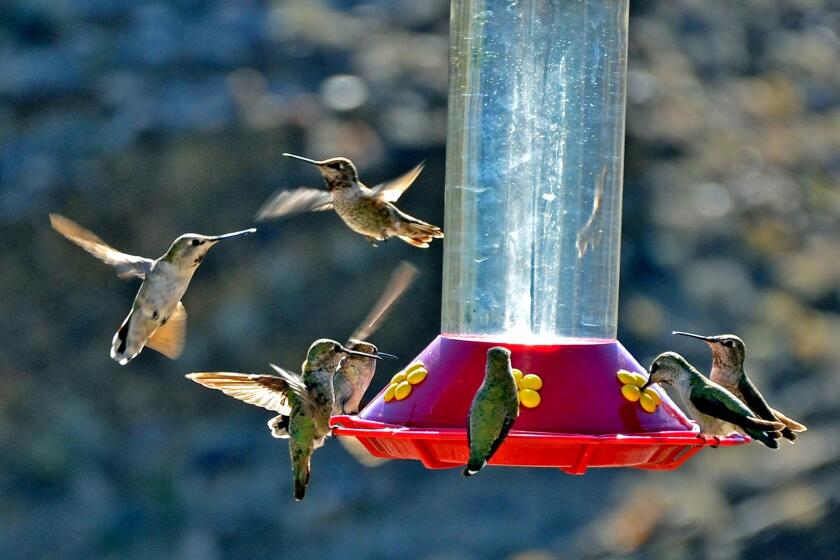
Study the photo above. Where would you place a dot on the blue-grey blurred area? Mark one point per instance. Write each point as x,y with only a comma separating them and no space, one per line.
144,119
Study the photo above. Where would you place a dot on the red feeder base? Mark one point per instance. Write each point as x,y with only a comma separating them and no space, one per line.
582,420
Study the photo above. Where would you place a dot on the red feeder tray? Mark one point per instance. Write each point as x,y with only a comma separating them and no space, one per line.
582,420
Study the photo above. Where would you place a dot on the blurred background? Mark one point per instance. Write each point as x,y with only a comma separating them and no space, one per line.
144,119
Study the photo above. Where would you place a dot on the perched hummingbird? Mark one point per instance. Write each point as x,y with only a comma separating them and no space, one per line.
728,354
304,402
370,212
357,372
493,410
718,412
157,318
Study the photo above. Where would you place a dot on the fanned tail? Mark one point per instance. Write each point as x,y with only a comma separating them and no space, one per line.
417,232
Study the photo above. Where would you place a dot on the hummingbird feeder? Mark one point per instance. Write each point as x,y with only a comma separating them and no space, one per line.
531,256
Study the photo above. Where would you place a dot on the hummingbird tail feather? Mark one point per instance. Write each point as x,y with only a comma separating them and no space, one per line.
416,232
473,467
121,351
301,481
790,424
758,424
279,426
767,438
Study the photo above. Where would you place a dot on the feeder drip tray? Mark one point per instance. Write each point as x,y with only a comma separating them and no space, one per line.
576,410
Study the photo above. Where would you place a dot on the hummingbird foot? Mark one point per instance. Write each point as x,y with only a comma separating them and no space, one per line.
706,439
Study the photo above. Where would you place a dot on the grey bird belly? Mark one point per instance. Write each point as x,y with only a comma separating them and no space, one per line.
360,213
161,293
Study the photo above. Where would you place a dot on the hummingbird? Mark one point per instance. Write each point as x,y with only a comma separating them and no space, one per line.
718,412
357,372
304,402
157,318
493,410
728,355
368,211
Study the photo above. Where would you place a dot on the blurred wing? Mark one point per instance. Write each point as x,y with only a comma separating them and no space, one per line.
126,265
169,338
400,280
391,191
359,452
266,391
298,201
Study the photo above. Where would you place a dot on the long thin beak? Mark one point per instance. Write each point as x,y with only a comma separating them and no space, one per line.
646,385
301,158
234,234
357,353
698,336
387,355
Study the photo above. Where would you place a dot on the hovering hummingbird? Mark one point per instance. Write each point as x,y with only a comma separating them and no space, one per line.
157,318
718,412
493,410
304,402
349,383
728,354
370,212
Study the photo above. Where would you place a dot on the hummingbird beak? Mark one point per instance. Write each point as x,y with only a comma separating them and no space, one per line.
646,385
357,353
301,158
234,234
387,355
697,336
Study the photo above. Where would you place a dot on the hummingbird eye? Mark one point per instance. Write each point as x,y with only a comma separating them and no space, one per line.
728,343
197,242
654,367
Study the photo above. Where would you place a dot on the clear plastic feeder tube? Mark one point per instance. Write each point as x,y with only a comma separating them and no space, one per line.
534,169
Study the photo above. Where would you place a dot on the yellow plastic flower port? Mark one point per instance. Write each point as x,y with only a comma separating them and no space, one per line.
631,389
528,387
403,382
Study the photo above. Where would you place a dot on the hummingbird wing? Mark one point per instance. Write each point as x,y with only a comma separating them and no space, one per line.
720,403
754,399
126,265
267,391
391,191
297,201
169,338
359,452
400,280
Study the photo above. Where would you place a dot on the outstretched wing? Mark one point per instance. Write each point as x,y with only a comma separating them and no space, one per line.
400,280
126,265
391,191
267,391
297,201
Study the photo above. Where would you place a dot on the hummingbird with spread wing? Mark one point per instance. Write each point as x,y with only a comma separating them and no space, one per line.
348,383
717,411
370,212
304,401
728,355
157,318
